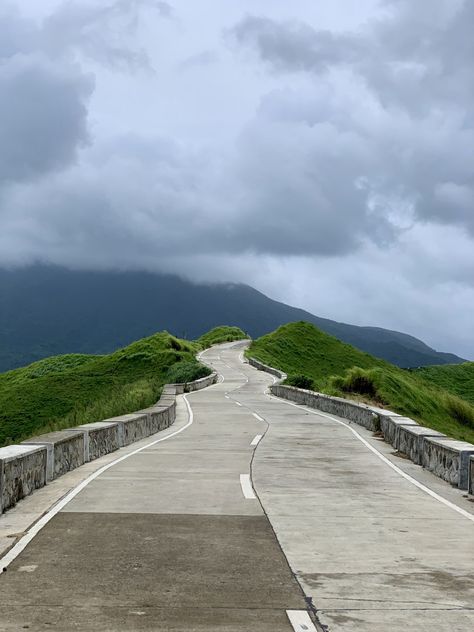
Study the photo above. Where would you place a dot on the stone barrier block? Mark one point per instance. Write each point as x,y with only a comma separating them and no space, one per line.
471,475
22,470
65,450
411,440
102,437
268,369
132,427
390,427
449,459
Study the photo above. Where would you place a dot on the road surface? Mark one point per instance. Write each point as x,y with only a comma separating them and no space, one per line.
239,513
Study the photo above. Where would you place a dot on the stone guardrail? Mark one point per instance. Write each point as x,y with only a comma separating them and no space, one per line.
39,460
451,460
268,369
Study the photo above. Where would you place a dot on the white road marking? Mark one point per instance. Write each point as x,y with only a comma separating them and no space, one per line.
383,458
247,488
256,440
257,417
238,403
15,551
28,569
226,396
300,620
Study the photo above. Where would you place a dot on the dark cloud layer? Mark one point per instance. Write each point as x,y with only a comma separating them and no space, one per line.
357,151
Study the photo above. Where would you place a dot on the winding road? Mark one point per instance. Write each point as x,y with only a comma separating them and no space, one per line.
250,514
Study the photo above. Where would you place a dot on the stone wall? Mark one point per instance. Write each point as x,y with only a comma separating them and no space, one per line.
471,475
65,450
22,470
25,467
268,369
449,459
101,438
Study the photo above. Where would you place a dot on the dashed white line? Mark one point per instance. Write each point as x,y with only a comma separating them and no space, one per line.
247,488
256,440
300,620
257,417
238,403
15,551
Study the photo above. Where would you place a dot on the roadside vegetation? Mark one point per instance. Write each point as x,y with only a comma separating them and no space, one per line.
325,364
221,334
457,379
68,390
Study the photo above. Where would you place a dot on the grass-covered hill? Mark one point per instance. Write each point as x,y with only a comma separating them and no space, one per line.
312,358
455,378
68,390
221,334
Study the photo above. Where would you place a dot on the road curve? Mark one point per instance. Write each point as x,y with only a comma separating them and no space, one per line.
230,524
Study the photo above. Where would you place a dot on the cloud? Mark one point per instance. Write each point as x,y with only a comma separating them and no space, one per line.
331,168
43,117
417,113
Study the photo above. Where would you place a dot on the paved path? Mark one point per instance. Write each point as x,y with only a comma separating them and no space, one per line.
167,540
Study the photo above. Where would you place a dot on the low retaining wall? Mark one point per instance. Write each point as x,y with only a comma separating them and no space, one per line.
33,463
268,369
22,470
471,475
449,459
411,441
359,413
65,450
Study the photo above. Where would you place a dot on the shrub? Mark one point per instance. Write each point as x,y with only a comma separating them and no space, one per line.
187,372
359,381
301,381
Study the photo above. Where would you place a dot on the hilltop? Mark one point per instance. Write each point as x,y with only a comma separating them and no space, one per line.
314,359
68,390
47,311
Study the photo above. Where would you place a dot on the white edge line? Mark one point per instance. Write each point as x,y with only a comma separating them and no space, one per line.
383,458
247,488
256,440
300,620
257,417
13,553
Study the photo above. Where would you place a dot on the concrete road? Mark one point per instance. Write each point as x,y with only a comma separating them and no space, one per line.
164,540
172,538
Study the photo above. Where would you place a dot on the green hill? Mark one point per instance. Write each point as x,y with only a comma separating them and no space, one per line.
221,334
455,378
312,357
69,390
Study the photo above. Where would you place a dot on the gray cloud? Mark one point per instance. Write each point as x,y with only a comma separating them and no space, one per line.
336,175
414,70
43,117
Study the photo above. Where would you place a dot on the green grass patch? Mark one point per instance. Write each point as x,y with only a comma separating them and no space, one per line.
457,379
336,368
187,372
69,390
218,335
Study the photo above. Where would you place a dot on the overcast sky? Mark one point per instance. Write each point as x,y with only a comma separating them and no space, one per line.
321,151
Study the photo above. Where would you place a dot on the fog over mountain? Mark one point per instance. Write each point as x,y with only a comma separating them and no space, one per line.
320,152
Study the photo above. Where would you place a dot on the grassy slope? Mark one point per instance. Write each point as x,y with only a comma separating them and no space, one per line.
301,348
221,334
455,378
68,390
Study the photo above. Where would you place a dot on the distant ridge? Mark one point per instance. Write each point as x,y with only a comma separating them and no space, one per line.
46,310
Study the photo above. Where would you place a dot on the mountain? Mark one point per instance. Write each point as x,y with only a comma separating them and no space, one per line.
48,311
